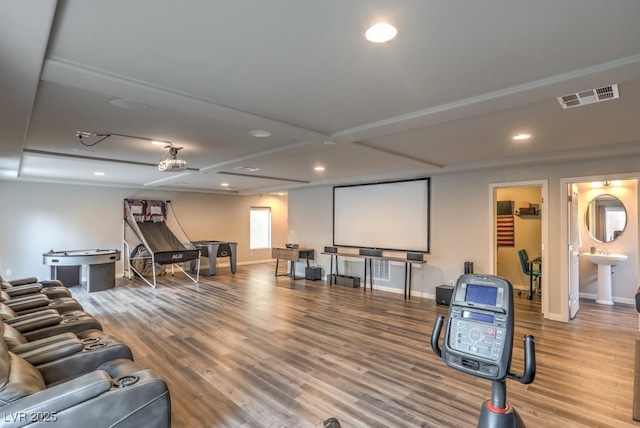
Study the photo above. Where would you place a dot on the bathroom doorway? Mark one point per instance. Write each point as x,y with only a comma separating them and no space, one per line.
519,223
606,222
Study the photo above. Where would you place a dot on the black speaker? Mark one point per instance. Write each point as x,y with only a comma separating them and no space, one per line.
370,252
443,294
416,257
330,249
313,273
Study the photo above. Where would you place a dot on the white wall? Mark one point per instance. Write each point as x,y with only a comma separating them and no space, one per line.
461,223
38,217
624,280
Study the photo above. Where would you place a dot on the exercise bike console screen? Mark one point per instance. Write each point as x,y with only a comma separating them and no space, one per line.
479,332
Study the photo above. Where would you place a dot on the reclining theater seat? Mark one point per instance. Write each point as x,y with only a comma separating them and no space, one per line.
48,322
37,302
28,286
65,355
117,394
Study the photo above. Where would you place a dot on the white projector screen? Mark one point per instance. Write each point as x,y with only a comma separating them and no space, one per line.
388,216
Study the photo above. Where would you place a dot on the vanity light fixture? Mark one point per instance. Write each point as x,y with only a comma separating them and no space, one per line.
381,32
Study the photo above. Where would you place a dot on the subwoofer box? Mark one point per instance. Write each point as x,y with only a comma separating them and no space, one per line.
344,280
443,294
313,273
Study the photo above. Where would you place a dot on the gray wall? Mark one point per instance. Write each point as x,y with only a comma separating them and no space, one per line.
461,221
38,217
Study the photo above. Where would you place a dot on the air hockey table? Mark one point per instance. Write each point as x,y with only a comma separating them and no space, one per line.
214,249
66,266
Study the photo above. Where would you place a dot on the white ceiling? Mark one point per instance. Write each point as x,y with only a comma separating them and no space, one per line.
460,79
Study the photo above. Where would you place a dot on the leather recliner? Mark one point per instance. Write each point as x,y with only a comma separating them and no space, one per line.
65,355
48,322
36,302
27,286
117,394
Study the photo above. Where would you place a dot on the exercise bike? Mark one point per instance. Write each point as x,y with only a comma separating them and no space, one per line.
479,341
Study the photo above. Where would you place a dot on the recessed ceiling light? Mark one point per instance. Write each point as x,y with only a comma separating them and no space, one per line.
224,184
521,137
380,32
98,173
128,104
160,143
319,168
260,133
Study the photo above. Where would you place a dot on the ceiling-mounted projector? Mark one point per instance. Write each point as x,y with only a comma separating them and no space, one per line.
170,162
169,165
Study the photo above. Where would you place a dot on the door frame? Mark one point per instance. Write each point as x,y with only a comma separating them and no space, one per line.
564,228
544,213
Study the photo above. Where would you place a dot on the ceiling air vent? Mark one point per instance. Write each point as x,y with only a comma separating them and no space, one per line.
591,96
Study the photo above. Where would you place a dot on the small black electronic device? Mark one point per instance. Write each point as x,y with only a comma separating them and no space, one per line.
373,252
479,333
331,423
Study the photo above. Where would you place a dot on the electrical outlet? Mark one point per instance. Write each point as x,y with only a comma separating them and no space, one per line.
8,272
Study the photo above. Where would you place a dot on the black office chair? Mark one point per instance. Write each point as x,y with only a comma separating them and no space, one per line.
533,274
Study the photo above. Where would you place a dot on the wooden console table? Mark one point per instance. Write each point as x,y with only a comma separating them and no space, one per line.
292,255
368,268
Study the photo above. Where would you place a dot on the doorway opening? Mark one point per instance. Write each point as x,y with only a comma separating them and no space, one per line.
601,216
519,227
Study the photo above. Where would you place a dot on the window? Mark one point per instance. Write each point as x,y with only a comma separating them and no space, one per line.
260,224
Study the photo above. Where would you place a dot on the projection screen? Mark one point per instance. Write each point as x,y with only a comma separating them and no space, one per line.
389,216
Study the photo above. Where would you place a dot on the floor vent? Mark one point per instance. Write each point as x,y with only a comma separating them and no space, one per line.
381,269
591,96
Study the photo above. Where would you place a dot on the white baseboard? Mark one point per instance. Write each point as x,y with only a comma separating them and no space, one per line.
624,300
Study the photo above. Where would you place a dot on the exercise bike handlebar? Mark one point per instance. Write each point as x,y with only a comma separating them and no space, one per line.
529,362
435,336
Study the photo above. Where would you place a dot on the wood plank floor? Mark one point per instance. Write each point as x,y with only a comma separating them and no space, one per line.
252,350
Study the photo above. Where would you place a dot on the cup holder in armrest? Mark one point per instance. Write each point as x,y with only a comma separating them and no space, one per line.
94,346
90,340
125,381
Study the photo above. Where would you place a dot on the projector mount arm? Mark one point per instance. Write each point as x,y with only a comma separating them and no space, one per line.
102,137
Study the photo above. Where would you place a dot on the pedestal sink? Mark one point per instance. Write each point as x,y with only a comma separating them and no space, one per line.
604,262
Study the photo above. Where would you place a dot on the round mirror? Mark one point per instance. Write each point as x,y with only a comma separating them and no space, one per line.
606,218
